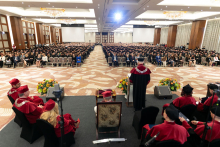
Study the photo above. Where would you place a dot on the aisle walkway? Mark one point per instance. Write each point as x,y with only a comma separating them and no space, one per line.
95,73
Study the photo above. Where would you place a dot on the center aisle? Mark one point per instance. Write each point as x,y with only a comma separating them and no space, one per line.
94,73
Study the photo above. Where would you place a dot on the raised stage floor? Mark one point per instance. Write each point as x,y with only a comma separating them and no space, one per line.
82,107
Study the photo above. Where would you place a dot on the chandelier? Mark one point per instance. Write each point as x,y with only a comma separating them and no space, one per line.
174,14
68,21
150,22
53,12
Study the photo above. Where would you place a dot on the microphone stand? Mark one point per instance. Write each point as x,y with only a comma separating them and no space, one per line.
206,126
57,94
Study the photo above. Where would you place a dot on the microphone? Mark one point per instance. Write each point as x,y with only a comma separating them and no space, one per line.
149,142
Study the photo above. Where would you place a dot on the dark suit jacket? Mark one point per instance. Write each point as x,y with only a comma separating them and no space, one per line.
18,58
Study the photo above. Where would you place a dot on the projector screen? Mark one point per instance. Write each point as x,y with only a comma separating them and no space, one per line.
73,34
143,35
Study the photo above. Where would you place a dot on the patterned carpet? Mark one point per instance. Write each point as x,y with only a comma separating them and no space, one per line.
95,73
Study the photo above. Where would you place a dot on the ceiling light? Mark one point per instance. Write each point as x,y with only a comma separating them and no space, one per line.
166,6
28,5
188,7
53,12
98,7
201,10
22,2
210,8
144,8
181,9
76,7
161,9
68,21
147,6
117,16
174,14
48,3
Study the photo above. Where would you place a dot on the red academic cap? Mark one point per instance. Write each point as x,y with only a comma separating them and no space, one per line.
14,81
49,105
23,89
107,93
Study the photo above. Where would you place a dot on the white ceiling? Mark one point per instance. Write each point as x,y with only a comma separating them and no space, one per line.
98,15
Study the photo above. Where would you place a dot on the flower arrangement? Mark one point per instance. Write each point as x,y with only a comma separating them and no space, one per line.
173,84
42,87
123,85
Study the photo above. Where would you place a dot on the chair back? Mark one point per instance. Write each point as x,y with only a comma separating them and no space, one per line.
109,114
22,117
48,132
168,143
55,59
22,60
11,99
123,60
51,59
60,59
203,60
188,110
148,115
119,59
109,59
215,143
65,59
145,59
69,59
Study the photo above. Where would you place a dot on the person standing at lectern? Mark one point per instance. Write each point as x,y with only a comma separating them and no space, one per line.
140,77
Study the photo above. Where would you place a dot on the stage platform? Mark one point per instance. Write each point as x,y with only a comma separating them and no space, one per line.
82,107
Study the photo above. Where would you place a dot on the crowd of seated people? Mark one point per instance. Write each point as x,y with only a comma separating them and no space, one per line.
41,55
160,55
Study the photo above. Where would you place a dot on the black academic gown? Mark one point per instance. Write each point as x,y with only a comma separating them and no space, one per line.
140,77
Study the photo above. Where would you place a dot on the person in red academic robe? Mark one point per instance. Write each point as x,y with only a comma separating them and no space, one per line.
15,83
184,100
140,77
26,105
197,133
203,107
107,97
51,115
168,130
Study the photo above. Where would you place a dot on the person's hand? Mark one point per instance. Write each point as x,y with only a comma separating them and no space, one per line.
181,119
32,97
40,106
77,125
194,122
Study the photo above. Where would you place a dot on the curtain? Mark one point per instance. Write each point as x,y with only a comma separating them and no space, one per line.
183,34
163,35
212,35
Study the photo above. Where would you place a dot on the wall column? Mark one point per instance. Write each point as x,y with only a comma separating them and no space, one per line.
39,32
171,35
17,29
198,28
157,36
61,39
